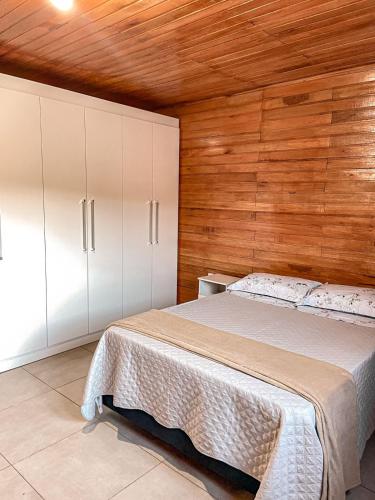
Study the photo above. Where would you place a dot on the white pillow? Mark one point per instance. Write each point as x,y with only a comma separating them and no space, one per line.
348,299
273,285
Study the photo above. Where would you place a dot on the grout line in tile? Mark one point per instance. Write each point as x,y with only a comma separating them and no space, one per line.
39,379
48,385
186,477
5,459
88,350
61,386
31,486
135,480
124,435
66,397
46,447
79,348
27,399
163,461
96,421
368,489
54,388
205,471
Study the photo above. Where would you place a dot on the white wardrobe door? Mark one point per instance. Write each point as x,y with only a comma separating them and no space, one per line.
137,212
22,273
63,139
166,178
104,192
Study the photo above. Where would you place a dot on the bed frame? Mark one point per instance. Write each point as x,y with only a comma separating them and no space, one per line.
179,440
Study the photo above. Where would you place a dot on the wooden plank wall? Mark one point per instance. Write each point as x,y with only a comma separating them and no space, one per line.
280,180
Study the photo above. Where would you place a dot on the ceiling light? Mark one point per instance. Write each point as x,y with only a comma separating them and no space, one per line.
63,4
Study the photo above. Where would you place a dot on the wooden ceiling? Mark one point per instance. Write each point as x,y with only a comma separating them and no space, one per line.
162,52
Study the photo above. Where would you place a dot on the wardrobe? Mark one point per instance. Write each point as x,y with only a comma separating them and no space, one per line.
88,217
150,200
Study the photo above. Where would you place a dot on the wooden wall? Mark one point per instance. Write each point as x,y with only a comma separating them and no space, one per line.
280,180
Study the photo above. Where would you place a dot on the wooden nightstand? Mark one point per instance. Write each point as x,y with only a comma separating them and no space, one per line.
214,283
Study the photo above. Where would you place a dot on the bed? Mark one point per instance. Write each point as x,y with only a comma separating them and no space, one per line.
261,430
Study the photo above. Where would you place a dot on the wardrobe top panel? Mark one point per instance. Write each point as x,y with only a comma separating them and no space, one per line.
42,90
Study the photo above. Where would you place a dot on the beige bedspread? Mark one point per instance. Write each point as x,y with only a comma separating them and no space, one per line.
329,388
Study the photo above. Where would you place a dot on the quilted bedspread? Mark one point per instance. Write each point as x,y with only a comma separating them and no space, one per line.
265,431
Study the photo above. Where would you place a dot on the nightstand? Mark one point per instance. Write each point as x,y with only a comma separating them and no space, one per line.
214,283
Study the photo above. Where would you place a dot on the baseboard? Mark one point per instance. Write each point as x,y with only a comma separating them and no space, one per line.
24,359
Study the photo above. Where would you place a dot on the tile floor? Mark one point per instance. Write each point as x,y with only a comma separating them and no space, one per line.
47,451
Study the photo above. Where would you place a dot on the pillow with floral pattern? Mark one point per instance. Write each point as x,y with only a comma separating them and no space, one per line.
274,285
355,319
349,299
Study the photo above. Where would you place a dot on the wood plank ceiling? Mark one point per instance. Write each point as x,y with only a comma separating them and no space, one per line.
162,52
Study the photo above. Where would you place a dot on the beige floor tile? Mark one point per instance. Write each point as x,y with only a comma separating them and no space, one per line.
216,486
360,493
18,385
86,466
74,390
37,423
3,463
368,465
13,486
63,368
162,483
212,483
90,347
135,435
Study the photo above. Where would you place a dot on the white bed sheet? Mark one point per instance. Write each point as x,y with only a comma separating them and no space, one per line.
265,431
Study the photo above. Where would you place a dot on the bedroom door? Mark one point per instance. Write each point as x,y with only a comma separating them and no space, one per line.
165,195
104,195
137,215
22,273
63,146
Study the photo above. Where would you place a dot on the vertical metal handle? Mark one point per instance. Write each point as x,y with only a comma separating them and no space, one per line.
1,243
150,228
92,220
84,224
156,240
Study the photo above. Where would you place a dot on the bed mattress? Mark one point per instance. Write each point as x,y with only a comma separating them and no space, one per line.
260,429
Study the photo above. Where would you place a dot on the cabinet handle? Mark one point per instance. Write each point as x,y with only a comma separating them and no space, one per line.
92,220
150,228
84,224
1,243
156,241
